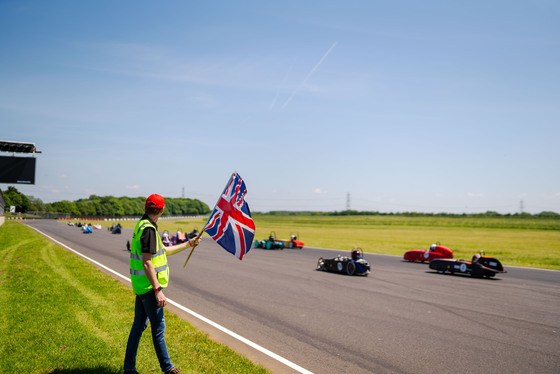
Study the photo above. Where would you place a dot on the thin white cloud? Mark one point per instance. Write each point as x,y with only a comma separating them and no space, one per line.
319,191
472,194
204,100
166,64
308,75
273,104
133,187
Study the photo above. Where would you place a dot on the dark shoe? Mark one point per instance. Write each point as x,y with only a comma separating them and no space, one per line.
173,371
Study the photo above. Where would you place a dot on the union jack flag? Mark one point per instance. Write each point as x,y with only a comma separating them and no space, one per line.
230,224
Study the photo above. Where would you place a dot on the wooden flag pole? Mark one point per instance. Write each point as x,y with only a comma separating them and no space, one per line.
193,246
202,231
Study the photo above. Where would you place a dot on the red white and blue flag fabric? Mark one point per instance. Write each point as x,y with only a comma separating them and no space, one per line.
230,224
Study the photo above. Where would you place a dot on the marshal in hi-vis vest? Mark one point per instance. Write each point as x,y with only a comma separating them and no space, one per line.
140,282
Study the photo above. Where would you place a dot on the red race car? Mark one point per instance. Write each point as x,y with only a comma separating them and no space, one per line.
435,251
293,242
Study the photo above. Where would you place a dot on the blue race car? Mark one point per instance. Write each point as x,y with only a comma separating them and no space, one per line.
353,265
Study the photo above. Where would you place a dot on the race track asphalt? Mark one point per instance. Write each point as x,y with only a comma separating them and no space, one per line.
402,318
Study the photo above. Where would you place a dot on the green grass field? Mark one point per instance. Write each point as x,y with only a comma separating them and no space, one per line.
513,241
60,314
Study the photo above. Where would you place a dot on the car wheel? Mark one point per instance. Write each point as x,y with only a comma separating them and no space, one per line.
321,264
268,245
291,245
350,268
477,271
256,244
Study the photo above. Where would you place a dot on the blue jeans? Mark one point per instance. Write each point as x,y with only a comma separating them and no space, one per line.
146,309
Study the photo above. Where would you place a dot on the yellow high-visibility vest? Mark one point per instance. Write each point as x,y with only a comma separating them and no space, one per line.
140,282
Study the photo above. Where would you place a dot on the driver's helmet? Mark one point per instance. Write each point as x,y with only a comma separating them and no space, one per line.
356,254
475,258
271,238
165,234
432,247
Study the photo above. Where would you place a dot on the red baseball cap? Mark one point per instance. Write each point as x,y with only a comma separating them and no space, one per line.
155,201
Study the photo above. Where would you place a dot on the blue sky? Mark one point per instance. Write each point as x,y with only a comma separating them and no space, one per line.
431,106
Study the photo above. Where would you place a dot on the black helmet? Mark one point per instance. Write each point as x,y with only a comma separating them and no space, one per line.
357,254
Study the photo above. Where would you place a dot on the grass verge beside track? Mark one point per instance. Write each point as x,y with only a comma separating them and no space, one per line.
61,314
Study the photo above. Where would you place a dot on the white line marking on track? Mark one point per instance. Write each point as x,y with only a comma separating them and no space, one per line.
259,348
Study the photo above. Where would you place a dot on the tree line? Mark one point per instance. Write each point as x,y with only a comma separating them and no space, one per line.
101,206
110,206
490,213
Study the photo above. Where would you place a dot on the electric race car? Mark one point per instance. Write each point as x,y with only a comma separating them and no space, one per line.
292,242
115,229
435,251
165,239
353,265
193,234
181,236
270,243
480,266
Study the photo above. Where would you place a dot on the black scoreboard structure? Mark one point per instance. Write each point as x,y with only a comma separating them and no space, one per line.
15,169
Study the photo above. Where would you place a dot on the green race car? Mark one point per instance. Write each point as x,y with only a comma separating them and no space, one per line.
270,243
